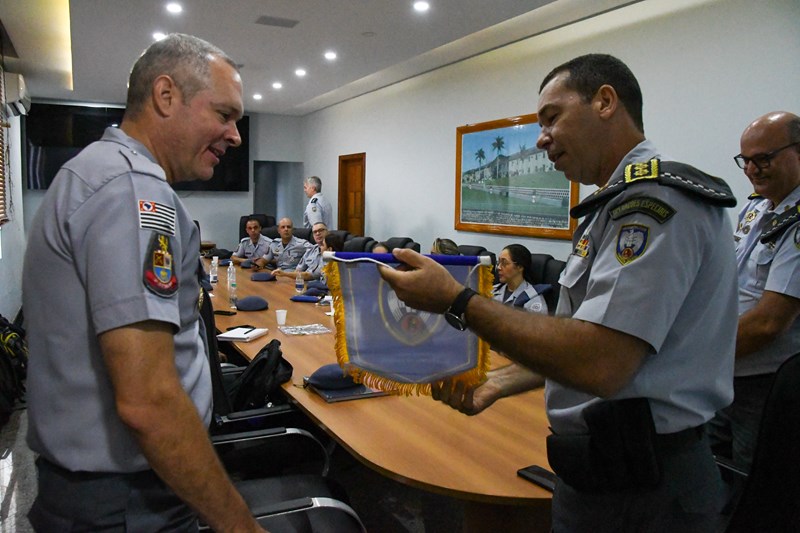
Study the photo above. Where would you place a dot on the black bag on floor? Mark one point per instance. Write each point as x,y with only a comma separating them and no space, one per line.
13,367
259,385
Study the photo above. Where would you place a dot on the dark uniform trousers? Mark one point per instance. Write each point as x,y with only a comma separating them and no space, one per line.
106,502
688,498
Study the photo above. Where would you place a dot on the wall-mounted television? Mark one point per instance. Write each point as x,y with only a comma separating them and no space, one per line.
55,133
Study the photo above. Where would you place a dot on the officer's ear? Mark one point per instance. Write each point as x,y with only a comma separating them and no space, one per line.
605,101
165,95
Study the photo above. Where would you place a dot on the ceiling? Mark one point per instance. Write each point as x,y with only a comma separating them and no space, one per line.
82,50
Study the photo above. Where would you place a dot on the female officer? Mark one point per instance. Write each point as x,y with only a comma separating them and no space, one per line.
515,288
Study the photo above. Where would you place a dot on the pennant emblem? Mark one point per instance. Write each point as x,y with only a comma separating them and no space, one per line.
159,275
631,242
409,326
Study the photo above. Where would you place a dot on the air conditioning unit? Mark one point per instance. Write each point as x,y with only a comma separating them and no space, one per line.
18,100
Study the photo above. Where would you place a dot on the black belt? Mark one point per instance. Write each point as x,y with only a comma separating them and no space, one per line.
679,439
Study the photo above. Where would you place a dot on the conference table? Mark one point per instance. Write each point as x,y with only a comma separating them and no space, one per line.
414,440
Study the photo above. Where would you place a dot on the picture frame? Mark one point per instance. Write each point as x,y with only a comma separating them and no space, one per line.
516,192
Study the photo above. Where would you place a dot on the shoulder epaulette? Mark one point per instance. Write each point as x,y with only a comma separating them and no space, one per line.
314,200
754,196
780,224
670,173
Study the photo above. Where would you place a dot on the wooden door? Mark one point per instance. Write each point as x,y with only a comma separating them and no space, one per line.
352,170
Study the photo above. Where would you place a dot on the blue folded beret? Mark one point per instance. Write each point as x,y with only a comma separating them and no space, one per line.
542,288
330,377
316,284
312,291
246,263
263,276
252,303
303,298
224,262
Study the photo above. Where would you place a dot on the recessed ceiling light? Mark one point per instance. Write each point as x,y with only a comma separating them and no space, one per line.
300,72
277,85
421,6
257,96
174,8
330,55
159,35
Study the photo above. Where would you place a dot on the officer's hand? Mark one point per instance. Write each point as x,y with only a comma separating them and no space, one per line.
421,282
468,400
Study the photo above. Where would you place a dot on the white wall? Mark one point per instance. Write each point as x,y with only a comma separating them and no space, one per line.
12,234
706,67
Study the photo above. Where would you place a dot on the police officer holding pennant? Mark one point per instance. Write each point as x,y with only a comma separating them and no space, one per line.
640,353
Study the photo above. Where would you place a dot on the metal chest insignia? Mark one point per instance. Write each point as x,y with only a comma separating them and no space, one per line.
631,242
582,247
159,275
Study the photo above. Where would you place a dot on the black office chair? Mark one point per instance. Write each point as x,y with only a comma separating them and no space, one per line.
770,500
476,250
538,264
304,233
402,242
359,244
294,502
552,271
270,232
264,220
343,233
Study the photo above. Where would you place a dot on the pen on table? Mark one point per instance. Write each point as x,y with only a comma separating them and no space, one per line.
248,331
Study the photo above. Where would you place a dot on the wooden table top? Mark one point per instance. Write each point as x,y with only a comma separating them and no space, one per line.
415,440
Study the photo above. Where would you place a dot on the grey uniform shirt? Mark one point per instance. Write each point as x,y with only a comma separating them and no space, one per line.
525,297
249,250
312,262
318,210
288,256
671,284
771,267
110,246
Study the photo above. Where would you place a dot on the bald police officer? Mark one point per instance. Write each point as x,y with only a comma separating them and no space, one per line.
284,253
318,208
768,259
310,265
640,354
119,391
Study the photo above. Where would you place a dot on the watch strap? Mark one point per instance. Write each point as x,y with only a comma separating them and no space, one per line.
459,305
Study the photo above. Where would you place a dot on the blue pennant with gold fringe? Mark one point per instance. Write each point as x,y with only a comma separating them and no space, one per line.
387,345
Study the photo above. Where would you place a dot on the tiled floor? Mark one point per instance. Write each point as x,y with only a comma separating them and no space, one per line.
385,506
17,475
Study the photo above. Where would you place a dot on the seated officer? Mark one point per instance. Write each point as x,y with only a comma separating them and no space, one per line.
310,265
254,245
284,253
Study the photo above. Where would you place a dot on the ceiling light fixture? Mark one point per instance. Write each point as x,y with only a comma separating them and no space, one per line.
174,8
159,35
277,85
300,72
421,6
330,55
257,96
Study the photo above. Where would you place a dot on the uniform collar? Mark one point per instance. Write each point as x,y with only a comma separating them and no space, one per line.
644,151
788,202
118,136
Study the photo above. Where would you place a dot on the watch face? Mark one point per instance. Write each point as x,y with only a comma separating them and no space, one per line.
455,321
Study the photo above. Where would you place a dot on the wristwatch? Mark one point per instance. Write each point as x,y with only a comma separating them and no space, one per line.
455,313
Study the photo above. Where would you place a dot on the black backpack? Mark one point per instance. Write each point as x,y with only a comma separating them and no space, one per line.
13,367
259,385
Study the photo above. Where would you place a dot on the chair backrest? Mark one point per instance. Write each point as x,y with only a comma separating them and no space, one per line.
402,242
304,233
772,490
552,271
538,264
359,244
271,232
343,233
265,220
222,404
471,250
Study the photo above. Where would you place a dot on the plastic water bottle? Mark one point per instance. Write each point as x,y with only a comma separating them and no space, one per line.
214,273
299,283
232,285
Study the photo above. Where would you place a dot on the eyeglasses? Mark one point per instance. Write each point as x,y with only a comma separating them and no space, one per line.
318,231
503,263
761,161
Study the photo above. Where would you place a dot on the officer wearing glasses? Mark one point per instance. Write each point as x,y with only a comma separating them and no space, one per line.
768,260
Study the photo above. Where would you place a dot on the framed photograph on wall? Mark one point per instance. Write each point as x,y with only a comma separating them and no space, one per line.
506,185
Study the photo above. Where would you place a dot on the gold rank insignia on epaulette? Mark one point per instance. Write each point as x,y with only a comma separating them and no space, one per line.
780,224
754,196
642,171
669,173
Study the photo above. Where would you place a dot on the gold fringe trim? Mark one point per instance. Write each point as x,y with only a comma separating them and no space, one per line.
469,378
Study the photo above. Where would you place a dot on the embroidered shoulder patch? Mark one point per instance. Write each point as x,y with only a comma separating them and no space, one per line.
158,273
647,205
631,242
157,217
